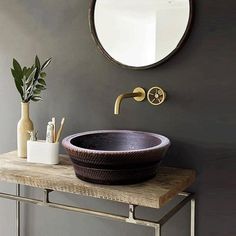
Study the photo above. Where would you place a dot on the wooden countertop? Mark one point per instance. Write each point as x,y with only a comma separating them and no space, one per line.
153,193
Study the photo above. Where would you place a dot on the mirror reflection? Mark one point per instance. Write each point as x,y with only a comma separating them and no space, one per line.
140,33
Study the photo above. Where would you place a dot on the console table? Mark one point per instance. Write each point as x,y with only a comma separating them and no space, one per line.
155,193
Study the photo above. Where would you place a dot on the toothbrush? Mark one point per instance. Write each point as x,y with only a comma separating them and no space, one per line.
54,129
60,129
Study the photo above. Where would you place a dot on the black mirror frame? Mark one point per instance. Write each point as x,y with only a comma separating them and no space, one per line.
110,58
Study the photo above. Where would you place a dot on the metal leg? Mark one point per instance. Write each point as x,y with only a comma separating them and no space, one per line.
18,211
158,231
188,198
193,206
175,209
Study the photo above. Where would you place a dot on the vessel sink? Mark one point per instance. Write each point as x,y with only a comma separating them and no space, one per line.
116,156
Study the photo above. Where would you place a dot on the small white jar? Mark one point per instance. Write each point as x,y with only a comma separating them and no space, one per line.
42,152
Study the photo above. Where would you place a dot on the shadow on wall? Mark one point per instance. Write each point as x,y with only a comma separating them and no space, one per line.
215,166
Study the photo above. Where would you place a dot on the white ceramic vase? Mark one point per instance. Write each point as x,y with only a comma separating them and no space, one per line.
24,125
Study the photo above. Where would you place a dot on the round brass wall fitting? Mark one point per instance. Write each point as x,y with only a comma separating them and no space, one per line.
142,93
156,96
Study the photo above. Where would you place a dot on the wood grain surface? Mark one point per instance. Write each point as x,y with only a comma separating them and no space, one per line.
153,193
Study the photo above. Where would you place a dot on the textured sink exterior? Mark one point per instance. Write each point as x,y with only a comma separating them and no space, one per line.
116,156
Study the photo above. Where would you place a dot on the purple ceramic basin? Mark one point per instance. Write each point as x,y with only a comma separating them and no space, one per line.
116,156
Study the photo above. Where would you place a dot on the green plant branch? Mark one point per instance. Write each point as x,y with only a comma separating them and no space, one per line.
30,81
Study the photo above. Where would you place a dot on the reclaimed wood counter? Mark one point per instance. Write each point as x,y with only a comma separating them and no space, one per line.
153,193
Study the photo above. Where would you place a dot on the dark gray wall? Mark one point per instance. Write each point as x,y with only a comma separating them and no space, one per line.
199,116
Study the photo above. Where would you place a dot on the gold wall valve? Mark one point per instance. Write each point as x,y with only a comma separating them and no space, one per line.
156,96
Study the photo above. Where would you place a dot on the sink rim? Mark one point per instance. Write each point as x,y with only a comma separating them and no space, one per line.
66,142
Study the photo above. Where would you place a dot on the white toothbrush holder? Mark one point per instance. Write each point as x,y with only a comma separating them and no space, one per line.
42,152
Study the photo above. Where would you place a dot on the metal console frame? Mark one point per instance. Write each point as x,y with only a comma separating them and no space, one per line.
188,198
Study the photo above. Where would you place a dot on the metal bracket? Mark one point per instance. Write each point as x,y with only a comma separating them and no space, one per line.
46,193
131,218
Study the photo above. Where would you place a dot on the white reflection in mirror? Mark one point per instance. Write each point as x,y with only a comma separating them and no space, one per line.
140,32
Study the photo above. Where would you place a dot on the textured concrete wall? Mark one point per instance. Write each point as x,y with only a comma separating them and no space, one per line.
199,116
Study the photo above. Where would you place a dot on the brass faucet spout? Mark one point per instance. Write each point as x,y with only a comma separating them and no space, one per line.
120,98
138,94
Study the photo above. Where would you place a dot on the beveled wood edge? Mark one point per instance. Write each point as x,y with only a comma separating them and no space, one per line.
86,193
169,196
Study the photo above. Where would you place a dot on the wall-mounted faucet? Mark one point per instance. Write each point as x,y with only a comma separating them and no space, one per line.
155,95
138,94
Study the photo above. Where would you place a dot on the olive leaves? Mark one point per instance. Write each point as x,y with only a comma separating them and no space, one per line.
30,81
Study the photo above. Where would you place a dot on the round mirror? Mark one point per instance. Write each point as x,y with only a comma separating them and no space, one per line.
139,34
